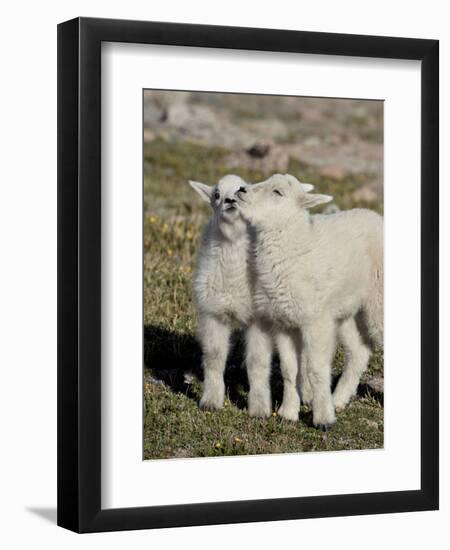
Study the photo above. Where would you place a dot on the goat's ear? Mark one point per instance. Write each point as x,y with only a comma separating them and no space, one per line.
205,191
307,187
309,200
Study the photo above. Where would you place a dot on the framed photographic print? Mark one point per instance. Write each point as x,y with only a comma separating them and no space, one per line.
247,276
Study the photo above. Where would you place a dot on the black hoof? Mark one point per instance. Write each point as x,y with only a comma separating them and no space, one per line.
324,427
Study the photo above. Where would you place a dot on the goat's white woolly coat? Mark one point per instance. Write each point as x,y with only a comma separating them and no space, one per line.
222,286
320,276
321,265
221,280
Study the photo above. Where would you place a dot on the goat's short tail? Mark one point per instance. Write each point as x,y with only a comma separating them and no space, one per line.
371,316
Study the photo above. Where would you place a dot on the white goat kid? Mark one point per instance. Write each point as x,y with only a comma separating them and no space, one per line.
221,283
313,275
222,290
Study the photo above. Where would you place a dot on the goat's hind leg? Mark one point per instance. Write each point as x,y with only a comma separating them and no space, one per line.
214,337
356,360
258,361
304,387
289,370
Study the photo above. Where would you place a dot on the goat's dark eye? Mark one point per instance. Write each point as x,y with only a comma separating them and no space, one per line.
217,195
278,192
242,190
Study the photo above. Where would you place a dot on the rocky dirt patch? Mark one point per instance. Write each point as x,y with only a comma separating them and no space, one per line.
262,133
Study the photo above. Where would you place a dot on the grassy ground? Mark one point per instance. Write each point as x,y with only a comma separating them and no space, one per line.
174,426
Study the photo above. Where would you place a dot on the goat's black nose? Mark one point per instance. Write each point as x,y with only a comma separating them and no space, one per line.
230,201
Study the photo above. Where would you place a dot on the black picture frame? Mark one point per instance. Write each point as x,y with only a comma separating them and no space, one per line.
79,274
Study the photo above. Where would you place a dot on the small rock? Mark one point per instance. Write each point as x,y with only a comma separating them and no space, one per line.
334,172
148,136
180,115
366,194
376,383
275,160
310,114
312,141
260,149
152,114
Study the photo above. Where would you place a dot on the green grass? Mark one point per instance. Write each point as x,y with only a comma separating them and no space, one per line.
174,426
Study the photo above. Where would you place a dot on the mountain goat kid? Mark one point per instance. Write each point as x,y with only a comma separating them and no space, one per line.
320,276
222,288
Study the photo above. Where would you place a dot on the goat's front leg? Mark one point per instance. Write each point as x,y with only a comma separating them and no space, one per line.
319,339
258,361
214,337
287,351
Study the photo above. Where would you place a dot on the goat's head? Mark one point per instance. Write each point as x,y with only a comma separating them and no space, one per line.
223,199
274,201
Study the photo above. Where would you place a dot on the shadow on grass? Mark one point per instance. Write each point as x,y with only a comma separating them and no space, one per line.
175,359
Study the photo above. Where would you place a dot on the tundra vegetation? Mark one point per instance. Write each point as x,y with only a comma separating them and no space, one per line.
294,134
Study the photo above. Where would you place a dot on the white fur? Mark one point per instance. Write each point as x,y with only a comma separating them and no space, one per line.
317,277
221,284
222,287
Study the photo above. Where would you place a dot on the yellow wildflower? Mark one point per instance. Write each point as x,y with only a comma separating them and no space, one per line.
218,445
169,252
